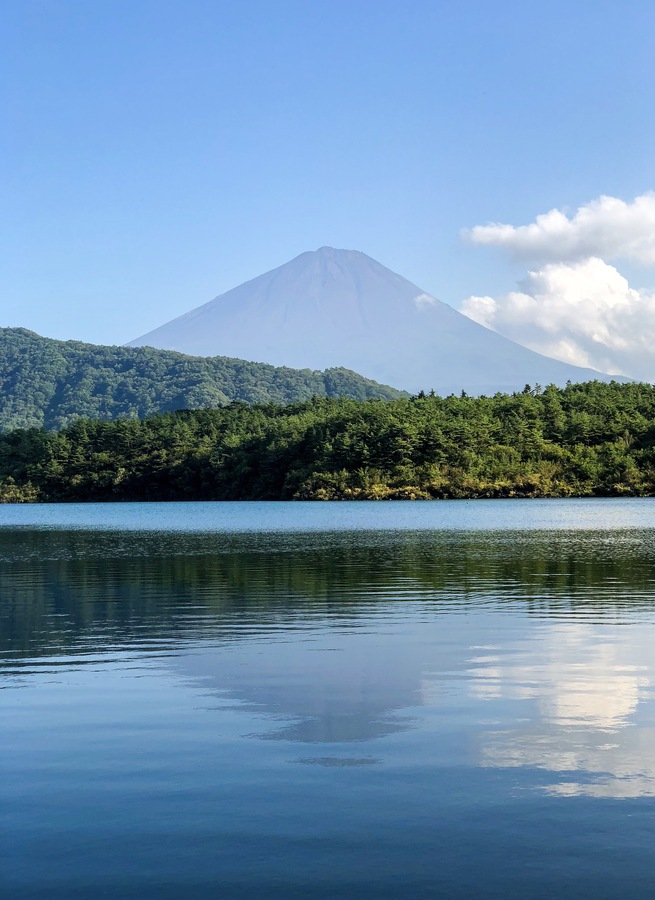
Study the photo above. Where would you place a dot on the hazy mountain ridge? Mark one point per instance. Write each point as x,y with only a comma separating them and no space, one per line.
341,308
49,383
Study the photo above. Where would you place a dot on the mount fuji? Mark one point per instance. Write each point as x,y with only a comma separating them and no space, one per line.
330,307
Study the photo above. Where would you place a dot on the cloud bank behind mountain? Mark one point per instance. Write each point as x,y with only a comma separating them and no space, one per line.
573,304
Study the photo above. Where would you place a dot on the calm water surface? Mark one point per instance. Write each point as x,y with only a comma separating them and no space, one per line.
328,700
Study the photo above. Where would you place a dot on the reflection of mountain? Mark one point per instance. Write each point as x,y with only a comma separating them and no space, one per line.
286,616
310,629
585,688
319,686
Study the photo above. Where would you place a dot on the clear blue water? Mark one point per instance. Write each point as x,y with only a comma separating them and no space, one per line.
328,700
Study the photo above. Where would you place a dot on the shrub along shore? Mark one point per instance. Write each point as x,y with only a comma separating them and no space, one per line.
591,439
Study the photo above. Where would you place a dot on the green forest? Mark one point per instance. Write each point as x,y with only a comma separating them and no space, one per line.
591,439
49,383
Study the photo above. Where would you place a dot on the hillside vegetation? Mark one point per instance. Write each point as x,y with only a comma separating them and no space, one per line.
584,440
51,383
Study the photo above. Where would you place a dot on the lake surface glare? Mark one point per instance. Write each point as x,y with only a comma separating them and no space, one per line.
355,700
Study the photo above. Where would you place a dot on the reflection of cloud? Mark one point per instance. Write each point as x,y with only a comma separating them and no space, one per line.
606,703
586,700
587,768
576,683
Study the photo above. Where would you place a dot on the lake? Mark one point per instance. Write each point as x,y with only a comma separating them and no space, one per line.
355,700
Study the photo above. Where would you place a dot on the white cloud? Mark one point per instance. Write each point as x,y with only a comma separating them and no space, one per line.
607,227
583,313
424,300
573,305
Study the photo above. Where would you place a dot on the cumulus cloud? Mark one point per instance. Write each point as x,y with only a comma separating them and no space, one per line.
574,305
607,227
583,313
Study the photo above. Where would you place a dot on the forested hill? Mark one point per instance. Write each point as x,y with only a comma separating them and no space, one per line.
584,440
49,383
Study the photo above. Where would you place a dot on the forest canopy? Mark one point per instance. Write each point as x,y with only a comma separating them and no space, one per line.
591,439
49,383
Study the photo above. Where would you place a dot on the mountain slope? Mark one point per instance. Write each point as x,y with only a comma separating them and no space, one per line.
341,308
44,382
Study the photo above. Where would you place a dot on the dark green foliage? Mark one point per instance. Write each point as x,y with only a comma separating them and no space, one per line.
47,383
585,440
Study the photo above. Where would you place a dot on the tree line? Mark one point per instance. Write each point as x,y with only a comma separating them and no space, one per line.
591,439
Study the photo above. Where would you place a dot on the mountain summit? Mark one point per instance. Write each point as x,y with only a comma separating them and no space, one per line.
332,307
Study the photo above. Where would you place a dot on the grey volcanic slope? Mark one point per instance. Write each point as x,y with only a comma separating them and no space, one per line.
341,308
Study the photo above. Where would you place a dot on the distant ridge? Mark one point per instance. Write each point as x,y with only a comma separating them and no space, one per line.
333,307
49,383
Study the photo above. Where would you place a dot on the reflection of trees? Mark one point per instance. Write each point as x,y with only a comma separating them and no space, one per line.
68,589
76,592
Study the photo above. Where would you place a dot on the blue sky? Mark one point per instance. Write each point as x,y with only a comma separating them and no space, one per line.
158,153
